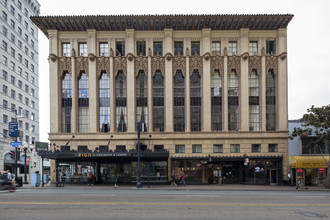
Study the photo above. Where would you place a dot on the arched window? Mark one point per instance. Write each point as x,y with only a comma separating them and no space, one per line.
216,101
158,102
195,102
179,102
254,101
83,104
66,103
121,109
233,101
270,101
142,101
104,103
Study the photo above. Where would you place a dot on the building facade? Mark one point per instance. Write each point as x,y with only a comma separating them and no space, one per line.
19,89
209,93
308,162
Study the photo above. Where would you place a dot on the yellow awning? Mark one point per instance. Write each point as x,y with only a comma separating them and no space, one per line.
309,161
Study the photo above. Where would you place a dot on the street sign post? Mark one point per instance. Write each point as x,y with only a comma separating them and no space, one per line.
13,129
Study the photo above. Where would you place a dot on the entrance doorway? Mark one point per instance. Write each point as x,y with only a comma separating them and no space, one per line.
273,176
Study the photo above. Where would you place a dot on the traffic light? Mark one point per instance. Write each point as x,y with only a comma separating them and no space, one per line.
12,154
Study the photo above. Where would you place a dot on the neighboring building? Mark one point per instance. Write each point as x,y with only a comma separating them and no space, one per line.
209,90
19,89
307,160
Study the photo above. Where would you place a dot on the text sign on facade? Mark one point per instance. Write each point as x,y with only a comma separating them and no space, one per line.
16,144
13,129
41,146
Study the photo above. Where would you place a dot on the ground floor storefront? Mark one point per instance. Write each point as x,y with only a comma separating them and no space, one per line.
309,170
157,167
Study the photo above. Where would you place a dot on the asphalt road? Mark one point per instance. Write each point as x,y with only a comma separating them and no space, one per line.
145,204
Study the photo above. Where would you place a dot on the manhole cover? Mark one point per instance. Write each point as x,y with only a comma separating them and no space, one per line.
312,214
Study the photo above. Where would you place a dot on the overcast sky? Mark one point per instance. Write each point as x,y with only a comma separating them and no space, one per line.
308,40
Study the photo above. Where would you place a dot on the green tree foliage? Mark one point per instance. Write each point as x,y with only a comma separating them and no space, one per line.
316,123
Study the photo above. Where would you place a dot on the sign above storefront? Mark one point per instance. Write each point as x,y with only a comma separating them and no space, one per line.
86,155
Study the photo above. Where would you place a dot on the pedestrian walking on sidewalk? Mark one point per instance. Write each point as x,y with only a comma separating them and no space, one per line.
173,180
91,179
182,181
289,179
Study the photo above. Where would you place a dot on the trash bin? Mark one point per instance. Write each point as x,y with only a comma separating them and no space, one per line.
19,181
35,179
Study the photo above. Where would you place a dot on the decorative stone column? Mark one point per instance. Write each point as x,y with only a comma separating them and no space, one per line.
168,83
206,80
131,100
244,81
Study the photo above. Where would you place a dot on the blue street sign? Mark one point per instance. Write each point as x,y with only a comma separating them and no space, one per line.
16,144
13,129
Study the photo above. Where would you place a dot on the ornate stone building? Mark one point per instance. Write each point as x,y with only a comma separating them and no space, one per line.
209,91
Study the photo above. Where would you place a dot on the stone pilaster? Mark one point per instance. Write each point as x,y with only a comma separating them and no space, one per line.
244,81
131,100
168,84
206,80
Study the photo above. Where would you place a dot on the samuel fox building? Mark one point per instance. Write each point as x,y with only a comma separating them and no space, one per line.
208,93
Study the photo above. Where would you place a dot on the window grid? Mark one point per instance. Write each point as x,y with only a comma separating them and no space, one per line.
66,103
83,103
233,117
158,48
104,48
195,102
216,47
158,102
178,48
83,49
253,48
270,101
179,102
66,50
121,109
254,101
196,148
104,102
218,148
142,101
232,48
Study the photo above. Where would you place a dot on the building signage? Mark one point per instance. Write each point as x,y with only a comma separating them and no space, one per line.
16,144
41,146
13,129
103,154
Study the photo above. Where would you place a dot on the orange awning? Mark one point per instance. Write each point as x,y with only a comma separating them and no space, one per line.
309,161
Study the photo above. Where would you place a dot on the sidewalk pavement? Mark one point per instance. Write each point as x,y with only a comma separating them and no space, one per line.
226,187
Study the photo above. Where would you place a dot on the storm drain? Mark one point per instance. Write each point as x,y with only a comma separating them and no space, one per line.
312,214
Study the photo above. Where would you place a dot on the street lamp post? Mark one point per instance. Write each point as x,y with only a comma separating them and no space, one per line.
25,147
138,184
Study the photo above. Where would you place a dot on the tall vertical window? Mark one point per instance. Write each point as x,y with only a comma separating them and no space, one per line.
195,102
83,49
178,47
120,48
216,47
271,47
233,101
83,104
141,48
216,101
254,101
104,48
66,103
66,50
104,102
195,48
179,102
270,101
232,48
253,48
121,109
142,101
158,48
158,102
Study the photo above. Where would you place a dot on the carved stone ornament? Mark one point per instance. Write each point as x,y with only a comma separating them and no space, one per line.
225,51
207,56
196,63
91,57
234,63
217,63
272,63
187,51
141,63
179,63
52,57
120,63
81,65
255,63
73,52
111,52
263,51
130,57
168,56
64,65
149,52
158,63
102,64
245,55
283,55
